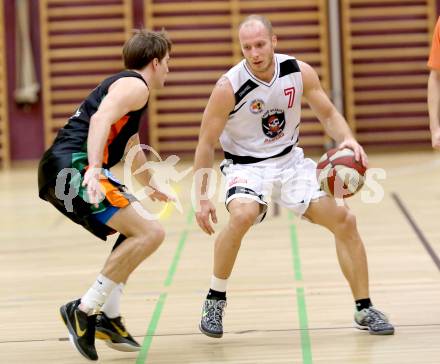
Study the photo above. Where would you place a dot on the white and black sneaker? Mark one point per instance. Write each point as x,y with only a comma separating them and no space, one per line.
211,323
374,321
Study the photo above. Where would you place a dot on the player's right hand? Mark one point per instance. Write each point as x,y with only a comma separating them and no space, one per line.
435,138
94,189
207,210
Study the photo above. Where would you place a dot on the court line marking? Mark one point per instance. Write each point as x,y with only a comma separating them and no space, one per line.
416,229
306,347
197,333
148,339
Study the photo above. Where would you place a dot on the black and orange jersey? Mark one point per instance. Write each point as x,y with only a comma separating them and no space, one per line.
69,149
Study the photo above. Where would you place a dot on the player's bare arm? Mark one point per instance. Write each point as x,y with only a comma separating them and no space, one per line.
125,95
434,107
215,116
333,122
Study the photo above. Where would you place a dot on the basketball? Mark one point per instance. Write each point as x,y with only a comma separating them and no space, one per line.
339,174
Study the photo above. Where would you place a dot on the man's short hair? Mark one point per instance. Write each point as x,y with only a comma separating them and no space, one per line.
143,47
262,19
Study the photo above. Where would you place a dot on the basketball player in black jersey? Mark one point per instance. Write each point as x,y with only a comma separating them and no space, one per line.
94,139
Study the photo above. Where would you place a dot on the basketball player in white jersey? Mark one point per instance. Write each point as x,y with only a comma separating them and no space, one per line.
254,110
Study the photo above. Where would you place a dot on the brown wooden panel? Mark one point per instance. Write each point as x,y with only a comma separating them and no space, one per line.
395,136
392,123
76,80
185,90
207,34
403,66
191,20
380,2
191,6
171,105
288,5
178,145
178,131
70,69
386,46
391,108
312,141
391,95
201,47
193,76
385,11
180,117
76,11
387,25
85,24
70,94
84,38
78,52
391,80
79,65
402,52
391,39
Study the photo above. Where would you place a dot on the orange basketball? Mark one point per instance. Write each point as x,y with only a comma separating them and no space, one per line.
339,174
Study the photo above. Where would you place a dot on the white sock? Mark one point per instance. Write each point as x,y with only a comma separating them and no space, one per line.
218,284
97,294
112,306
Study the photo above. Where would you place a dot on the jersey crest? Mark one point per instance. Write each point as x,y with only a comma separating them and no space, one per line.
273,123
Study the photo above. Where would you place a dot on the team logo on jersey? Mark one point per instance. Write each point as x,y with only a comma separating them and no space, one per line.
256,106
273,123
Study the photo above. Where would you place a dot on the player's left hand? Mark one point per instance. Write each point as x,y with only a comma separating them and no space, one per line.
156,195
91,182
359,153
435,138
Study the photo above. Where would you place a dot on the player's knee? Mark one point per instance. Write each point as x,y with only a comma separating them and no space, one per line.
156,235
346,222
152,238
243,218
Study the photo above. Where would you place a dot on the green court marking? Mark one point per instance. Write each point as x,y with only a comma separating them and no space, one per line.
295,253
142,357
306,346
177,254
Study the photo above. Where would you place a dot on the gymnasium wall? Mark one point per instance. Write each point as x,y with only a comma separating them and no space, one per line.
175,112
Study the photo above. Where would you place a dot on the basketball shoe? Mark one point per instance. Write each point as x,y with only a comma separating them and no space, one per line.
374,321
81,329
113,331
211,323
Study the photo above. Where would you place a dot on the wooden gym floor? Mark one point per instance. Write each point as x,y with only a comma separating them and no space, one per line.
287,299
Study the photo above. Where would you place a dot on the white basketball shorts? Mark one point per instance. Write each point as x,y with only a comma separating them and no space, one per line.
289,180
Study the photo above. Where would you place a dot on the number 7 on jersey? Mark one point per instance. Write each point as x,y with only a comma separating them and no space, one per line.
291,93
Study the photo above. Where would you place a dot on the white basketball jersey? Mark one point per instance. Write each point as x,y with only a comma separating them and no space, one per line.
266,116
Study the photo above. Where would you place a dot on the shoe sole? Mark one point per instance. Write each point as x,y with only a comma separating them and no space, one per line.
210,334
365,328
119,346
125,347
72,334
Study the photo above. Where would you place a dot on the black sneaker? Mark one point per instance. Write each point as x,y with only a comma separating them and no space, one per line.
81,329
374,321
211,323
113,331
